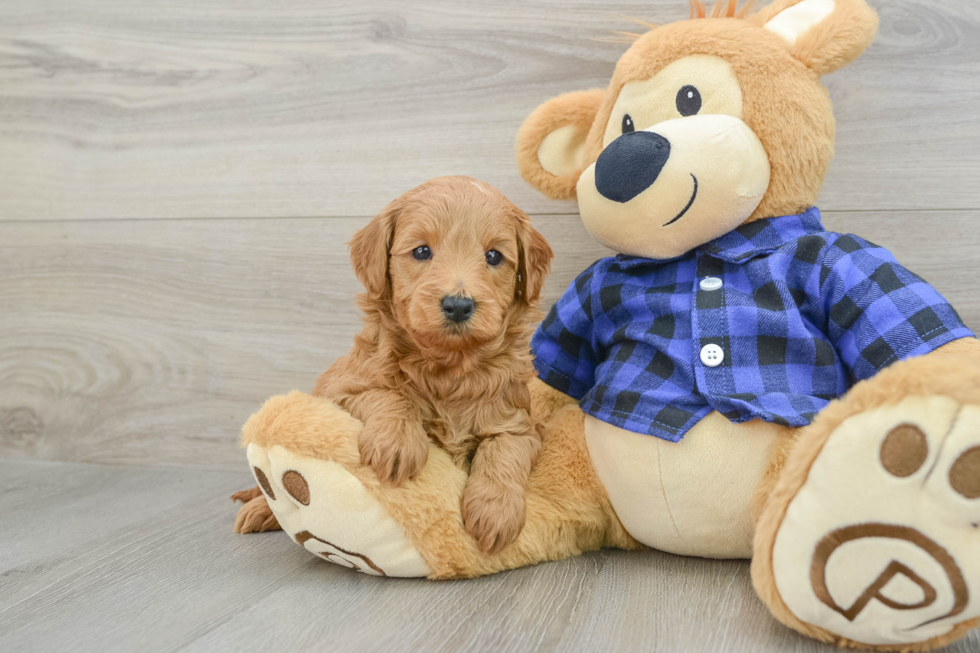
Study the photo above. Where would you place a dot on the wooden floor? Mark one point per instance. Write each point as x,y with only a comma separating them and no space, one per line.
121,558
177,180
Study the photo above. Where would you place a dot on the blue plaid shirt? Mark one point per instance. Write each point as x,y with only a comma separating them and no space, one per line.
801,315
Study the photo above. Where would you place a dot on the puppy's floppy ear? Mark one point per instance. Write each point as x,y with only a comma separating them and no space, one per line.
534,259
551,142
823,34
370,248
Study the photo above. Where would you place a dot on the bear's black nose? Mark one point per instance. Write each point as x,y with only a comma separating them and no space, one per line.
630,165
458,309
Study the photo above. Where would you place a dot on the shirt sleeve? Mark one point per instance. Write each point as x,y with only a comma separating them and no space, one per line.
879,312
563,346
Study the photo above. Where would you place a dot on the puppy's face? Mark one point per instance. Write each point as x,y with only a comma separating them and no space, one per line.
460,257
453,268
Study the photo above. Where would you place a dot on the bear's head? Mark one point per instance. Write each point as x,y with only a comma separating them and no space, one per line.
707,124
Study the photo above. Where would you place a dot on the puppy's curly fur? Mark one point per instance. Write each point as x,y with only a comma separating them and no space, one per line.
414,373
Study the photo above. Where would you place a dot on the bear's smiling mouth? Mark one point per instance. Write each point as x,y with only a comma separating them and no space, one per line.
689,203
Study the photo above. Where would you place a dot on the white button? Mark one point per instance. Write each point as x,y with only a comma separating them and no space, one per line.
712,355
711,283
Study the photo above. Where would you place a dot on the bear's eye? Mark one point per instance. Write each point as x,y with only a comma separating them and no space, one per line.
422,253
628,125
494,257
688,101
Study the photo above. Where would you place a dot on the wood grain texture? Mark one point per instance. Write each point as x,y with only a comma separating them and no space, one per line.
150,342
117,558
127,559
176,182
56,516
305,108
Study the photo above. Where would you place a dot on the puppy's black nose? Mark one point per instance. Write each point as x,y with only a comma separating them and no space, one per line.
458,309
630,165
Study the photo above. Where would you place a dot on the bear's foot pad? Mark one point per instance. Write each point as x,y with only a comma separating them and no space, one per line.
881,544
329,512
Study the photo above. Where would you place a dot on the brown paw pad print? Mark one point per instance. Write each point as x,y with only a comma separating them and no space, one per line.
297,487
263,482
906,448
904,453
835,539
964,475
337,555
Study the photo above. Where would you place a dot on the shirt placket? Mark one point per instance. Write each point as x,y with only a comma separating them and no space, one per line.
709,328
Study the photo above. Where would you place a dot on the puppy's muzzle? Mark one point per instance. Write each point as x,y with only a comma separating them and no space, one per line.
458,309
630,165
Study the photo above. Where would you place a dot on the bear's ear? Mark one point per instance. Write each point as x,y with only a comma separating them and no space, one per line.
824,34
551,142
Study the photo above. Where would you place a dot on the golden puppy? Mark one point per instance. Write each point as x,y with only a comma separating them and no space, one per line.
453,272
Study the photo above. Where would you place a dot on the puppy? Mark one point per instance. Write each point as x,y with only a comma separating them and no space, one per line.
453,273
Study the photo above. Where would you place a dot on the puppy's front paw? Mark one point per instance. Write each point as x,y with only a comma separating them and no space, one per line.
255,516
493,513
395,449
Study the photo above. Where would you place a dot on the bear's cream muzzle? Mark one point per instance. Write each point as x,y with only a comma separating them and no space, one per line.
661,192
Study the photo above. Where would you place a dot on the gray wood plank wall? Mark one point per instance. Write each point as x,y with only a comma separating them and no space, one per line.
177,180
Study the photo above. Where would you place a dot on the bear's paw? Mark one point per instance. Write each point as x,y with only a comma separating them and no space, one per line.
329,512
881,543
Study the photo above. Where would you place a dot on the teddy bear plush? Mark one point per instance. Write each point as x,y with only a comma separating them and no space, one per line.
736,383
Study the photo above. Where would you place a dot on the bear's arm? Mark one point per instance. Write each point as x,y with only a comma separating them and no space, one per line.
564,345
877,312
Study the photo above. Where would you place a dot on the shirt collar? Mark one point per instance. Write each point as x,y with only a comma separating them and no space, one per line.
763,236
749,240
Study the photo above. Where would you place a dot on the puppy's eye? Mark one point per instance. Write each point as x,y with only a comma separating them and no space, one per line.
688,101
494,257
628,125
422,253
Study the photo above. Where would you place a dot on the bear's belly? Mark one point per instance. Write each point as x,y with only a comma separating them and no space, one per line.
692,497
